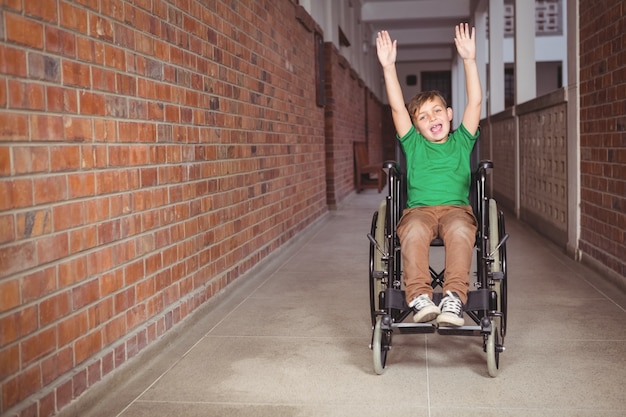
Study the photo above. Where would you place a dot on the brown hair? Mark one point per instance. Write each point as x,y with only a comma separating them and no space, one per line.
420,98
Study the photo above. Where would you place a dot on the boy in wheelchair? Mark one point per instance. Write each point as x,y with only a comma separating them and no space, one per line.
438,181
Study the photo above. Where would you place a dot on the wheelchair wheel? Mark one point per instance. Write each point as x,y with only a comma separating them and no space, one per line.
496,233
377,265
503,283
494,340
381,342
493,348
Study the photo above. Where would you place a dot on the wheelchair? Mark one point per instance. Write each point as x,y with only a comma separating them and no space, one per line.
486,303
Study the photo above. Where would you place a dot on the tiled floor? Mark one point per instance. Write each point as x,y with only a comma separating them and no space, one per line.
291,339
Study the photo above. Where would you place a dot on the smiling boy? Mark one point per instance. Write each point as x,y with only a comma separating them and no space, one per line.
438,180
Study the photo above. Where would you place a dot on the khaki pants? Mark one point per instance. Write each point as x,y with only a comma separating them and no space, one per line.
456,226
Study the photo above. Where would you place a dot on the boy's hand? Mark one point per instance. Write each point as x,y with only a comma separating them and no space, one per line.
465,41
386,49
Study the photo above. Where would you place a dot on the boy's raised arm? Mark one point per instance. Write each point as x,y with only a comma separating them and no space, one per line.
466,47
387,51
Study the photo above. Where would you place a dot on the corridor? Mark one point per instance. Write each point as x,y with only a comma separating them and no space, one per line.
291,339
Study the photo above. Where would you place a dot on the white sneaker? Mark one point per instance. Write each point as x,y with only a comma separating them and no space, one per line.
451,311
424,308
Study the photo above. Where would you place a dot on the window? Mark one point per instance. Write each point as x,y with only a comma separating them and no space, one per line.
440,81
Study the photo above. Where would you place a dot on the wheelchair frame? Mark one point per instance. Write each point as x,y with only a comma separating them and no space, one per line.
486,305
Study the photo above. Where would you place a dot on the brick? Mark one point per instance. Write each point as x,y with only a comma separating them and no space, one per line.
38,284
67,215
77,129
91,103
17,325
12,61
33,223
113,9
65,158
87,346
111,282
72,271
13,127
79,382
73,18
46,11
93,157
56,365
9,296
101,28
3,91
100,262
64,394
82,239
94,373
114,57
101,312
116,106
104,80
52,247
82,184
59,41
17,257
5,161
46,127
12,4
71,328
9,360
105,130
134,272
144,289
30,159
149,177
43,67
23,95
61,100
24,31
76,74
49,189
54,307
46,404
38,345
108,232
7,230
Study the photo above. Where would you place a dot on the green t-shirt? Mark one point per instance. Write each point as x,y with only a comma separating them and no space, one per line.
438,173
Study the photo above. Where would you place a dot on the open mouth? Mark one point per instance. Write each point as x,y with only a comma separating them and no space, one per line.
436,129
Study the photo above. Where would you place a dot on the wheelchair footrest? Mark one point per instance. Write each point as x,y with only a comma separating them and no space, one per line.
415,328
461,331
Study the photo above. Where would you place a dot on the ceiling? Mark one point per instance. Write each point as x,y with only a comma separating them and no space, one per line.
424,28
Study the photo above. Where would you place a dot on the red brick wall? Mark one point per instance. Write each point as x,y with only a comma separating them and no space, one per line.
346,119
603,132
151,152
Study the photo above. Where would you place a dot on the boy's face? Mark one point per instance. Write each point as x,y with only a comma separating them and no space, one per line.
433,120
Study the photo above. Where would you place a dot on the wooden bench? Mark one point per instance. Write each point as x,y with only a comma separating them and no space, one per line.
367,175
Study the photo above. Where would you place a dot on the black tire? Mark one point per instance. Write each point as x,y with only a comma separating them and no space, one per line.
377,267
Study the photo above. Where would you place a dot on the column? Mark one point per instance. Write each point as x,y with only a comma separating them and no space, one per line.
525,67
495,86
